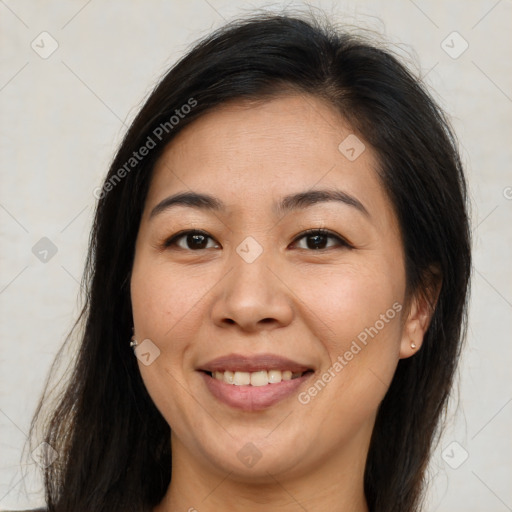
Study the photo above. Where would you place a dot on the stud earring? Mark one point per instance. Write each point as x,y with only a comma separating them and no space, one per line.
133,341
413,345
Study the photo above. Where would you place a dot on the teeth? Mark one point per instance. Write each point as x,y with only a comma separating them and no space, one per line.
274,376
260,378
242,379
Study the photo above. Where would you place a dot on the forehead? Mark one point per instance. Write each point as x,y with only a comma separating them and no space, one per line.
249,153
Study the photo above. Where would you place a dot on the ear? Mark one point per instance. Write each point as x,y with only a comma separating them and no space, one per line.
421,310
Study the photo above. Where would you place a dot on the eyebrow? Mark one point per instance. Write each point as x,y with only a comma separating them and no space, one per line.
287,204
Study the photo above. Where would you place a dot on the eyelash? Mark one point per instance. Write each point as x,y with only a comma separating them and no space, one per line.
310,232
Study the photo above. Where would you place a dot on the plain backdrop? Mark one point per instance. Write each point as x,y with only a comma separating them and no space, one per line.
72,76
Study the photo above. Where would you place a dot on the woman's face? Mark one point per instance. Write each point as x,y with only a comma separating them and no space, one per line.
251,298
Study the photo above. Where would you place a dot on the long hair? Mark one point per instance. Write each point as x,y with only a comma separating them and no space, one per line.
113,444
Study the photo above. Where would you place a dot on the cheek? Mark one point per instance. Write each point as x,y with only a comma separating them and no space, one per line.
164,312
357,314
158,305
165,302
351,301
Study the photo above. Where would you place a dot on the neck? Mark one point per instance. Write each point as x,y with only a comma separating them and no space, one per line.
336,484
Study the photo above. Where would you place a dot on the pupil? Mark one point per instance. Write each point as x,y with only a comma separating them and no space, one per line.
196,241
316,237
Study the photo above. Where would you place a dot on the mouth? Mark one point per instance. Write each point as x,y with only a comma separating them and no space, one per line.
257,379
253,383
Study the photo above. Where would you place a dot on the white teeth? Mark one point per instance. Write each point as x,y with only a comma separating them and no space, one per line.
242,378
260,378
228,377
274,376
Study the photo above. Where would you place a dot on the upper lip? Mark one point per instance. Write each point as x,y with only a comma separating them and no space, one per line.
253,363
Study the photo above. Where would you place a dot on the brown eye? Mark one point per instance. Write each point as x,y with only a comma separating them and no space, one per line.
189,240
317,239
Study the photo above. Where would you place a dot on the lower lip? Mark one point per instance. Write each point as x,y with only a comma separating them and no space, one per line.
252,398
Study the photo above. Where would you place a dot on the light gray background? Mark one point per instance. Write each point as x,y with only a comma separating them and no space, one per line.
62,118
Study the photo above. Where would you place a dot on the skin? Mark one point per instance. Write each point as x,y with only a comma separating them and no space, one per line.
293,300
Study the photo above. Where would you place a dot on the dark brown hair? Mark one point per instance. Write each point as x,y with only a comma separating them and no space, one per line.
114,445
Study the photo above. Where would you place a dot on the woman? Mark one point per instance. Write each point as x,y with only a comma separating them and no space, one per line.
283,241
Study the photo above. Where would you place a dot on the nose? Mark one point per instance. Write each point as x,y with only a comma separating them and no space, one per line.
254,295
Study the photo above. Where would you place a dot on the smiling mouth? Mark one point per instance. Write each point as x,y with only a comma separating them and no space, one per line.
257,378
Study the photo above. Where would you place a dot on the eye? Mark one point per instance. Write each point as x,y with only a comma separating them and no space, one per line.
316,239
195,239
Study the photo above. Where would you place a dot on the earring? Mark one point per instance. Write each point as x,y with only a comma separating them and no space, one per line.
413,345
133,341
